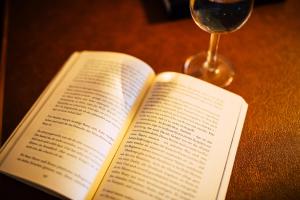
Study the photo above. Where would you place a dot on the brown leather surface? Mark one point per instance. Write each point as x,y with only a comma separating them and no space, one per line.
265,53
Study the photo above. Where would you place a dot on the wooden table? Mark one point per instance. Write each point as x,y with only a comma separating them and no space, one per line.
265,52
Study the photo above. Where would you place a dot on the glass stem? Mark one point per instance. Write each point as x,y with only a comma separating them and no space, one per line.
211,58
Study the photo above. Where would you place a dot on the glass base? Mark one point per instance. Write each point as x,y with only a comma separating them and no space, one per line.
221,76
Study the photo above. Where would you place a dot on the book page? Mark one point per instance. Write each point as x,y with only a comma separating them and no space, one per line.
70,135
181,144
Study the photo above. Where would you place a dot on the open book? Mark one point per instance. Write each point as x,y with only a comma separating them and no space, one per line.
107,127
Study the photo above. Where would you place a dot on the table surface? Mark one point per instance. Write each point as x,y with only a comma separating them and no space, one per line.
265,53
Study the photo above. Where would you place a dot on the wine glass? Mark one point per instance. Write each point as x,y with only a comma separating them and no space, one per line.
216,17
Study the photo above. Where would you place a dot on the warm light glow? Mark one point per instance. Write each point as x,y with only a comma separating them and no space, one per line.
166,77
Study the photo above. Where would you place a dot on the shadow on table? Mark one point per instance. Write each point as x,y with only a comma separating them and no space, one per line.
158,12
